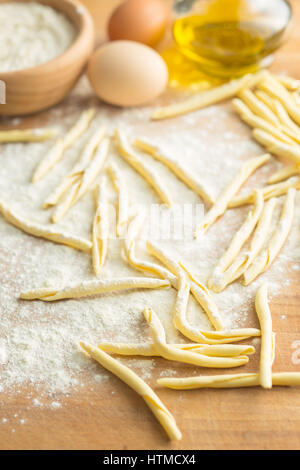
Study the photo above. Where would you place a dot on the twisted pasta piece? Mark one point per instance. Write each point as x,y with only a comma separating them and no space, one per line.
159,410
42,231
238,241
258,107
198,290
86,179
276,146
283,379
100,228
174,354
26,135
267,257
61,145
77,171
273,190
207,98
266,352
258,122
123,201
182,173
243,261
229,192
140,167
284,173
86,288
148,349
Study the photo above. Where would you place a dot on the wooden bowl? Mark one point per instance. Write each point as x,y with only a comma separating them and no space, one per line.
40,87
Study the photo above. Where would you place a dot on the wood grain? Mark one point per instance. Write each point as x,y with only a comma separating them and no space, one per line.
111,416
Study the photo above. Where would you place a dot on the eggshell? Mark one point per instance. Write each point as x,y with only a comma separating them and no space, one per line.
127,73
139,20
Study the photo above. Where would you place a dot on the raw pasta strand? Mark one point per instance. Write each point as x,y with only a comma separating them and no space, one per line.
182,173
198,290
284,173
42,231
238,240
266,352
86,288
276,146
56,153
229,192
241,263
100,228
79,189
123,201
148,349
267,257
258,122
207,98
258,107
139,386
140,167
175,354
273,190
283,379
26,135
78,169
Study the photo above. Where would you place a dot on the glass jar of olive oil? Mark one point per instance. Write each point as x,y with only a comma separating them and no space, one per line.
229,38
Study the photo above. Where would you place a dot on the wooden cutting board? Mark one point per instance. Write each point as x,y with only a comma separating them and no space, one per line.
208,419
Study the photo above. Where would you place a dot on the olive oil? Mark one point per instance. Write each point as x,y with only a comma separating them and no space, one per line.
228,38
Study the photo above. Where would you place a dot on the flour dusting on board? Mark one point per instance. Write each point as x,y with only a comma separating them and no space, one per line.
38,341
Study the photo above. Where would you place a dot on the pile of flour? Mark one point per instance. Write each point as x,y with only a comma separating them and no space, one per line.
32,34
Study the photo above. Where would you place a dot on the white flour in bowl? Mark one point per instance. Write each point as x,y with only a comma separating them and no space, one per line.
32,34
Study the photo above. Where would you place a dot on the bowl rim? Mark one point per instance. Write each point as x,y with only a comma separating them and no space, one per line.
85,28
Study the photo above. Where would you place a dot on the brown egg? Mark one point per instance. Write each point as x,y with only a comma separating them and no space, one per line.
139,20
127,73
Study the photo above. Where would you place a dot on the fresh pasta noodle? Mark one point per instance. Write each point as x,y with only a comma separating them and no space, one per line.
86,288
277,147
182,173
238,240
272,190
78,169
79,189
133,231
200,336
140,167
42,231
268,255
229,192
56,153
100,235
174,354
266,352
26,135
199,291
258,107
123,201
258,122
272,86
148,349
207,98
241,263
292,84
129,377
284,174
283,379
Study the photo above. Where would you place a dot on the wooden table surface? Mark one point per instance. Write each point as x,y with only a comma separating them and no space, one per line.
208,419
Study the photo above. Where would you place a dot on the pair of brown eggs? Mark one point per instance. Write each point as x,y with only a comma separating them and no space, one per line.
127,71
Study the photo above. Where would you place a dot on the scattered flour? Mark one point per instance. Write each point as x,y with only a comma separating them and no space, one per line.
38,341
